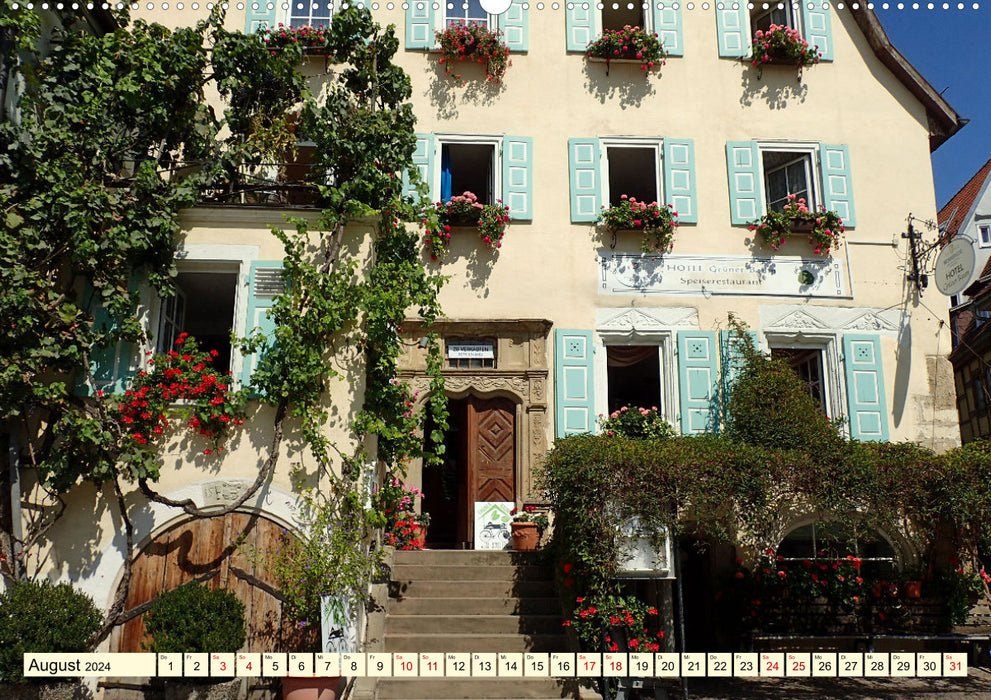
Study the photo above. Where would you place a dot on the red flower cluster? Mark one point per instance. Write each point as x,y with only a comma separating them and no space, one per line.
205,400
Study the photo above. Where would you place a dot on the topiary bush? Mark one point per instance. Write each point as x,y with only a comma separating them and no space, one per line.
40,618
193,618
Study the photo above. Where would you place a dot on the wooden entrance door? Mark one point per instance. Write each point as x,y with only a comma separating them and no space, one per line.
491,458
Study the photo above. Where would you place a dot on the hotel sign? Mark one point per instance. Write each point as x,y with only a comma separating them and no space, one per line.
708,275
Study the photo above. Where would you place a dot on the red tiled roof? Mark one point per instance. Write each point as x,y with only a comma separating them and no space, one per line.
953,213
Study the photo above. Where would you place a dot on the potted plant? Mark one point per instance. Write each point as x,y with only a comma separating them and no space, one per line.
42,618
628,44
823,227
636,422
474,41
782,44
396,501
527,526
464,210
656,222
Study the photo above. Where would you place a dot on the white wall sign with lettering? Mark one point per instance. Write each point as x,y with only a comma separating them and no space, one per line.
471,350
636,273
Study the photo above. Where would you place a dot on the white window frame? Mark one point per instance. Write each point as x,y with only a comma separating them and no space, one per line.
648,18
440,140
810,149
794,17
665,342
440,17
607,142
212,258
285,10
828,344
984,235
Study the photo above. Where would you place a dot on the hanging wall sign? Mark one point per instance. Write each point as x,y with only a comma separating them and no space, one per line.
955,266
471,350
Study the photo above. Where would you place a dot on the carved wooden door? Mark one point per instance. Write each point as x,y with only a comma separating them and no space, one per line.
491,453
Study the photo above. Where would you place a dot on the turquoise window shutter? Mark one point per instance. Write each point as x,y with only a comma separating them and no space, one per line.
420,25
699,381
112,367
679,179
586,189
259,15
733,31
746,201
515,27
836,183
423,159
517,176
667,25
731,360
264,284
866,401
574,404
818,29
580,23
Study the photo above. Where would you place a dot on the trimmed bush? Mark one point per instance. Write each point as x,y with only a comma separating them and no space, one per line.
40,618
193,618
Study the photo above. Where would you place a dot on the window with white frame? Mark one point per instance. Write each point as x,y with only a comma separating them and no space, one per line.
764,14
789,172
984,233
464,12
303,13
825,543
633,377
815,360
469,165
808,364
616,15
204,307
632,170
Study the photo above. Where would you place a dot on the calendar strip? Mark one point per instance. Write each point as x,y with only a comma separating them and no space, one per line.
502,665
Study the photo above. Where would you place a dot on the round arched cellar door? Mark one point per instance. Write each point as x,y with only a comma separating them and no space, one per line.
201,547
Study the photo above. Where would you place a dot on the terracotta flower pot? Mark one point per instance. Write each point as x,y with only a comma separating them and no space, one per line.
912,589
526,537
310,688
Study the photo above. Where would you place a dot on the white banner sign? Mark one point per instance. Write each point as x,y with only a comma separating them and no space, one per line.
471,350
635,273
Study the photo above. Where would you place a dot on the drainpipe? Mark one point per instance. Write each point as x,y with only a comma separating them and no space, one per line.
16,531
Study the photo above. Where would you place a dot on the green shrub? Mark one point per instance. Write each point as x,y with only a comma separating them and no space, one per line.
40,618
193,618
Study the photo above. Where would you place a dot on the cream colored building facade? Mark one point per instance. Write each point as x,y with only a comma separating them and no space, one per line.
563,323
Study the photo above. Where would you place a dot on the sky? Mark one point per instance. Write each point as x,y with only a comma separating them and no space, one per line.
950,49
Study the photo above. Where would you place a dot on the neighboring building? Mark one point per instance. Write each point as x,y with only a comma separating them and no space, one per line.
566,324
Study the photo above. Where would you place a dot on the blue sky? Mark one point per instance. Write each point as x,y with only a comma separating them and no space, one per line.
950,48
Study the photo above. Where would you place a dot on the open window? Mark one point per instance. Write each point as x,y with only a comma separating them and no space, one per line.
788,173
633,171
584,23
764,14
808,364
736,25
633,376
616,15
468,167
204,307
464,12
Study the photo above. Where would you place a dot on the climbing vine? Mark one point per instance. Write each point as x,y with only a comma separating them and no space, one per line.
114,138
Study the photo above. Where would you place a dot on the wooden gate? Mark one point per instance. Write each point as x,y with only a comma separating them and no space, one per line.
201,547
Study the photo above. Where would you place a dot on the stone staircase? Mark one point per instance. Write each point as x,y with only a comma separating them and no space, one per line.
472,601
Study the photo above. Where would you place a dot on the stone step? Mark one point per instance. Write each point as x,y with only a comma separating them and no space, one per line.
470,572
475,606
476,688
471,589
474,642
475,624
469,557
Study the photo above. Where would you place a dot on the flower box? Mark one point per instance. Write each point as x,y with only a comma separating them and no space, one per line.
627,45
476,43
463,211
655,222
823,227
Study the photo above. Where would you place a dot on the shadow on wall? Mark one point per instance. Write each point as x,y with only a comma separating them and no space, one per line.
625,83
446,91
776,85
903,371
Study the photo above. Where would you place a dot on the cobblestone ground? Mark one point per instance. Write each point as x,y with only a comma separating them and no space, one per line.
976,685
